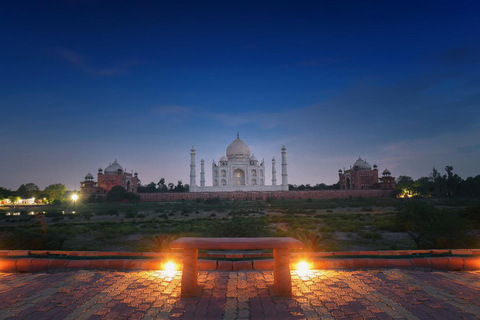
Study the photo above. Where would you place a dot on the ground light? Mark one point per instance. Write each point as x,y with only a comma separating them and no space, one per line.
170,268
303,266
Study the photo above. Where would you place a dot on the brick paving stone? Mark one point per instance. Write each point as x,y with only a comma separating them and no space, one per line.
324,294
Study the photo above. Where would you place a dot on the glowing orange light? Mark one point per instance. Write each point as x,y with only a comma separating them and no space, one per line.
303,266
170,267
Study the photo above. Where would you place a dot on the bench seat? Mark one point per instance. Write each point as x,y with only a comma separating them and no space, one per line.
281,251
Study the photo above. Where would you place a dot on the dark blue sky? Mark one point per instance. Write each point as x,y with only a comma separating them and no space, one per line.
85,82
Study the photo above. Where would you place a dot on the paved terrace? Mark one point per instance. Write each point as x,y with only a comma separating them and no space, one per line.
325,294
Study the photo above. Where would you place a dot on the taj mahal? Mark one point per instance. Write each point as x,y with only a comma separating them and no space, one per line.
239,170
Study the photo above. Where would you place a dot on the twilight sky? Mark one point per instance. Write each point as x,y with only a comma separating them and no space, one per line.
83,83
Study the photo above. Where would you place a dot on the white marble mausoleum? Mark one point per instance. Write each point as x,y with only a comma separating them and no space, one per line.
239,170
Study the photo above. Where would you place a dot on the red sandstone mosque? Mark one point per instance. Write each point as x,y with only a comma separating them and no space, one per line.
361,176
113,175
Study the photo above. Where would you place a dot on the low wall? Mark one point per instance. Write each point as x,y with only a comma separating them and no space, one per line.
263,195
13,261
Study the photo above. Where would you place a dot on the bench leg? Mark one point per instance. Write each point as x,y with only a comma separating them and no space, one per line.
281,272
190,272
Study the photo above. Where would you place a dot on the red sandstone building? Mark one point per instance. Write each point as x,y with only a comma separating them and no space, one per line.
361,176
114,175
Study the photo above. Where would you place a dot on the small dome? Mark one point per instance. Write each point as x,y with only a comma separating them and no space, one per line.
114,168
386,172
238,150
253,158
89,176
223,158
100,170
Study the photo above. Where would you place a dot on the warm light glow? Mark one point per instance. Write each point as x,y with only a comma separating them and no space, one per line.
74,197
170,267
303,266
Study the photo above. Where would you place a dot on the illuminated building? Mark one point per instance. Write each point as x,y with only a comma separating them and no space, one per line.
113,175
239,170
361,176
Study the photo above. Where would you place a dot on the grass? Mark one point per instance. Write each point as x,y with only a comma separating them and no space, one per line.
341,224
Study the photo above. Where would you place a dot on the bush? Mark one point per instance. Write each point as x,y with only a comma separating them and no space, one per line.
130,214
239,227
213,201
431,228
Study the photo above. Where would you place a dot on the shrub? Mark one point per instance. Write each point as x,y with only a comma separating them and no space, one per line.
213,201
130,214
434,228
239,227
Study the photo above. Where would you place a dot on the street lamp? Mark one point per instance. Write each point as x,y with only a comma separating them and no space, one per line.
75,198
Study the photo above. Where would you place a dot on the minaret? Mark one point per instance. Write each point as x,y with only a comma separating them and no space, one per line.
192,167
202,173
274,173
284,167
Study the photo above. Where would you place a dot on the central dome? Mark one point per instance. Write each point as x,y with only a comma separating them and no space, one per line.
238,150
114,168
362,164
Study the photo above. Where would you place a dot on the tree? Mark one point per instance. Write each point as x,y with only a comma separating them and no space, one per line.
116,194
6,192
405,182
14,199
452,181
439,183
423,186
179,187
470,187
55,192
431,228
162,187
29,190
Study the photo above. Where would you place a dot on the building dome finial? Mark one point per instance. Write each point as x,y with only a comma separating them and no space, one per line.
238,135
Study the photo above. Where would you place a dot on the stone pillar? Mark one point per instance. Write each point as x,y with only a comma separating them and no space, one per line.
281,272
192,168
284,167
274,173
202,173
189,272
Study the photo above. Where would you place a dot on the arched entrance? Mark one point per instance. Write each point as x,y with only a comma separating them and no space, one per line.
128,186
348,183
238,177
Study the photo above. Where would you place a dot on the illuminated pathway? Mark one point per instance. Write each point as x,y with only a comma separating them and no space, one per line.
373,294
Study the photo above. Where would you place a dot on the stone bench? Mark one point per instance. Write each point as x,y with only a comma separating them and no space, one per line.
281,253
